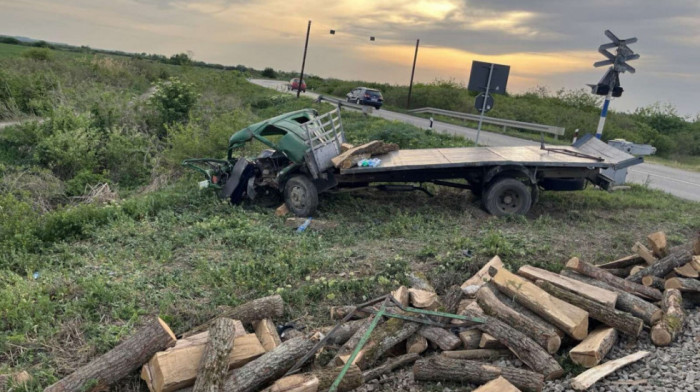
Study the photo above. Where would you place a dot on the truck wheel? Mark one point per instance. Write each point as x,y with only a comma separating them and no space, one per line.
301,196
507,196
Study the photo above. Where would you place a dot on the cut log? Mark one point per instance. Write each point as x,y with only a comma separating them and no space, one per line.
346,146
508,301
267,307
401,295
665,331
326,377
627,261
648,312
695,262
416,344
653,281
489,342
683,284
445,339
622,321
621,272
347,348
594,347
117,363
663,266
586,379
384,337
470,338
214,363
478,354
460,309
687,271
631,287
439,368
635,269
16,379
498,385
450,303
389,366
343,333
339,312
572,320
271,366
375,147
294,383
644,253
419,281
266,331
605,297
176,368
657,241
424,299
547,338
282,210
526,349
482,276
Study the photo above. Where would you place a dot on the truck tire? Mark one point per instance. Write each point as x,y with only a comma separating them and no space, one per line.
301,196
507,196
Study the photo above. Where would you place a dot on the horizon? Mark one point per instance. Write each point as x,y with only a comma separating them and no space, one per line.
550,45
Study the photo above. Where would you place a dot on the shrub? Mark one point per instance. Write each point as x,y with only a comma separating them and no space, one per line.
269,73
71,146
39,54
77,185
173,100
19,221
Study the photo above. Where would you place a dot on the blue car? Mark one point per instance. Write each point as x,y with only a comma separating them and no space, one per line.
366,96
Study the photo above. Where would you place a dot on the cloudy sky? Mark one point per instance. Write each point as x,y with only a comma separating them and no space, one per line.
549,43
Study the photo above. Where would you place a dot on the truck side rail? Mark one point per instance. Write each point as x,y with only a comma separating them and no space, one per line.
324,136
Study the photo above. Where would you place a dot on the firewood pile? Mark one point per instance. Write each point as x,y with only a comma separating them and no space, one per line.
532,315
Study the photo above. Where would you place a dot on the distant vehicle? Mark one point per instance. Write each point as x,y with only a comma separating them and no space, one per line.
366,96
294,85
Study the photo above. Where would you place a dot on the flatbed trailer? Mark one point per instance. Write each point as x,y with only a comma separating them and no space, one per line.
508,179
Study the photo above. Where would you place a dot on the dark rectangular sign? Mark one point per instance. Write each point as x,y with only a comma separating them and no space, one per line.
479,77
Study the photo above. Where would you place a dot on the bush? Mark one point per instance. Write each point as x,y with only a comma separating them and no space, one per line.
269,73
39,54
69,145
19,222
173,100
77,185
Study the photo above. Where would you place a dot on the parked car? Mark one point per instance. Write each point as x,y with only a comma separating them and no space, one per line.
366,96
294,85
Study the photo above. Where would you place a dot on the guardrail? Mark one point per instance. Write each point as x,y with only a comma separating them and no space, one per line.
556,131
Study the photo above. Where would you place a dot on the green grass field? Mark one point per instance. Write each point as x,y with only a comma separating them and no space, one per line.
77,277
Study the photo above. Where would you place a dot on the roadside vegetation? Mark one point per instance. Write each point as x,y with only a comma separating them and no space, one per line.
101,225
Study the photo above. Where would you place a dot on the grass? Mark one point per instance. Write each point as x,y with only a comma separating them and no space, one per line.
9,51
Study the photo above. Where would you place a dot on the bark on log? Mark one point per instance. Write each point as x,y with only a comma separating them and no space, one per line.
419,281
663,266
547,338
665,331
266,331
605,297
384,337
511,303
572,320
629,286
594,348
272,365
470,338
445,339
648,312
658,243
654,281
529,352
351,380
687,271
478,354
389,366
214,363
621,272
627,261
482,276
344,332
439,368
644,253
450,303
635,269
339,312
267,307
622,321
498,385
416,344
117,363
683,284
586,379
349,346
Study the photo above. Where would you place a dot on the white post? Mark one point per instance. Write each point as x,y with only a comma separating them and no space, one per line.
603,114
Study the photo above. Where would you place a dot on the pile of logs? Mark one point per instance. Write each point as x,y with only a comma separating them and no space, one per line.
532,315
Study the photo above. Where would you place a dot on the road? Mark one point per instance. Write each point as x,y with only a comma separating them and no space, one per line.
681,183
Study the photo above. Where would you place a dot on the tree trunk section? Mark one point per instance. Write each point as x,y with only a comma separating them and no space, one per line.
401,295
389,366
648,312
450,303
629,286
658,243
439,368
653,281
266,332
470,338
621,272
424,299
547,338
687,271
471,285
326,376
498,385
262,308
526,349
586,379
644,253
339,312
272,365
683,284
117,363
665,331
572,320
594,347
662,267
627,261
214,363
622,321
605,297
511,303
478,354
349,346
344,332
416,344
384,337
488,342
445,339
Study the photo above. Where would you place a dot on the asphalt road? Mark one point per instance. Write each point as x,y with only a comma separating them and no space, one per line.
682,183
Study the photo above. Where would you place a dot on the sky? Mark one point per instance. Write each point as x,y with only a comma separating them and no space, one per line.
551,43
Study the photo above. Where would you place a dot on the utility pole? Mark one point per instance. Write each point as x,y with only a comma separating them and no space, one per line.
303,61
413,71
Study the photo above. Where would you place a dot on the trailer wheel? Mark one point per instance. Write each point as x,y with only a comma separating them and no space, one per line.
507,196
301,196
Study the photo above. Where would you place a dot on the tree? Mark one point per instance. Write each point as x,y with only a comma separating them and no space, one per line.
269,73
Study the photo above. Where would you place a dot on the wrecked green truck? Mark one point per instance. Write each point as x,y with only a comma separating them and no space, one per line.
297,166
